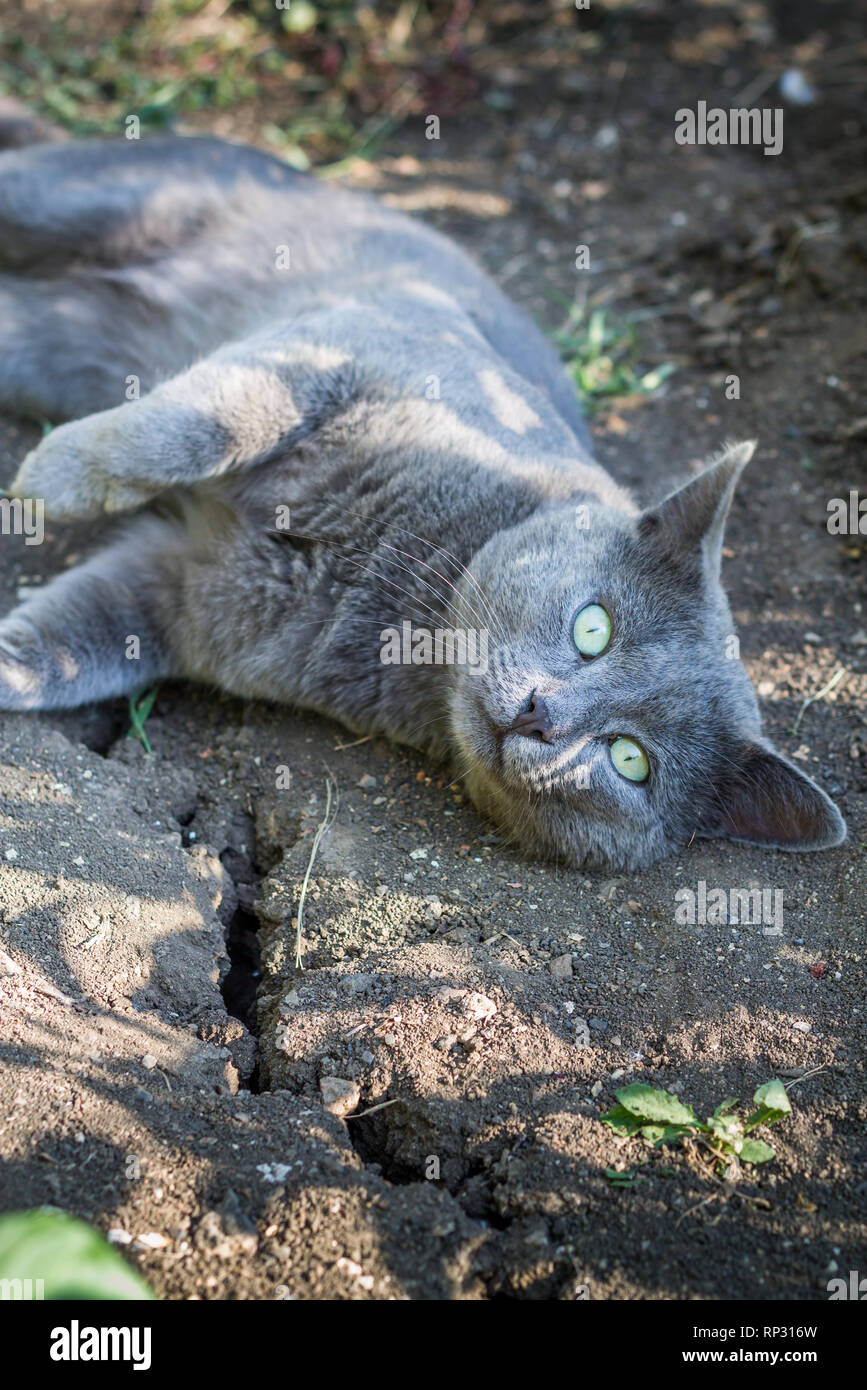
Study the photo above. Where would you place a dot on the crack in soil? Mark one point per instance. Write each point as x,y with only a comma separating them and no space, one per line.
241,983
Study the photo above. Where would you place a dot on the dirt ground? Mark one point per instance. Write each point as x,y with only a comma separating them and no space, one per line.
165,1069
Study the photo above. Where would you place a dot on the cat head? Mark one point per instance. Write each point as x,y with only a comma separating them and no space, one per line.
614,721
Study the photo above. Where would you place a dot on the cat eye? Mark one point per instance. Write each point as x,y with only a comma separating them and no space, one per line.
591,631
630,759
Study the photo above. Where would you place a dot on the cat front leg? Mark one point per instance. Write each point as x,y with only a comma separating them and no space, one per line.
227,412
82,469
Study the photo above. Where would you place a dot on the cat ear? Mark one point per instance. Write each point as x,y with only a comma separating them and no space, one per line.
692,519
766,800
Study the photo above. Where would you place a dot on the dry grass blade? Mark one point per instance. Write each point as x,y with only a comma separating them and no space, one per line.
811,699
324,824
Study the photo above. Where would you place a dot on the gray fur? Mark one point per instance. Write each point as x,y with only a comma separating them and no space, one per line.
312,388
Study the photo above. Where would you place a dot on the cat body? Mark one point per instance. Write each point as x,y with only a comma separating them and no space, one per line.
339,426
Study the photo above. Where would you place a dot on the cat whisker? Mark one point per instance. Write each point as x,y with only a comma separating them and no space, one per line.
442,550
446,580
333,544
461,775
365,569
428,724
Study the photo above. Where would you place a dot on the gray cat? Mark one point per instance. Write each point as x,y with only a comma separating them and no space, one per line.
350,451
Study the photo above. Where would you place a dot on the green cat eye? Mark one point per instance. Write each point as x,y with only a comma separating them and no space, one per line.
592,630
630,759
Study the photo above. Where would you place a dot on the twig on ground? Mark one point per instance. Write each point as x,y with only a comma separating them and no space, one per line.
382,1104
324,824
342,747
823,1066
811,699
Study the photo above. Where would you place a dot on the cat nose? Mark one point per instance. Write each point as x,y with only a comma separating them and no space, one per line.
535,720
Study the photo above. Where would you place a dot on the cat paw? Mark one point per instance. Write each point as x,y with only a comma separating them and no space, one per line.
20,662
70,472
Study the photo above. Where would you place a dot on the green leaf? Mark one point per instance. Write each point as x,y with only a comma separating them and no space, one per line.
620,1120
755,1151
774,1097
596,333
140,707
773,1104
664,1134
652,1133
726,1105
72,1260
651,381
657,1107
728,1128
625,1178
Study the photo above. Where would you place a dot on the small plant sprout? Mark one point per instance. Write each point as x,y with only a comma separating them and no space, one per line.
660,1118
140,706
600,357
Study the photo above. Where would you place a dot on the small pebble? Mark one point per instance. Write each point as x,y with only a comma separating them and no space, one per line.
339,1096
152,1240
561,968
356,984
478,1006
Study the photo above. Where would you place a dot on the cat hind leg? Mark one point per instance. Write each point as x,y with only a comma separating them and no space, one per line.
100,630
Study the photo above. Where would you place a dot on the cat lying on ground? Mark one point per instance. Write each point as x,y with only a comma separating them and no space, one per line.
327,424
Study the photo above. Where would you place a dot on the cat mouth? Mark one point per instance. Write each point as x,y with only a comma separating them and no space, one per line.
556,768
489,744
522,762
